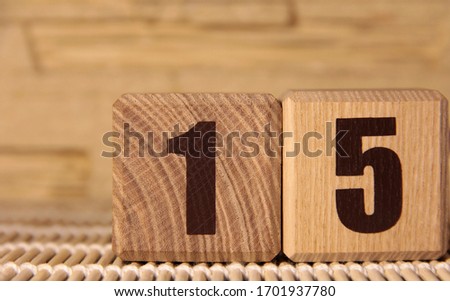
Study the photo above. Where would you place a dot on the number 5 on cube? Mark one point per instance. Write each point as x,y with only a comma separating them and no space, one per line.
367,181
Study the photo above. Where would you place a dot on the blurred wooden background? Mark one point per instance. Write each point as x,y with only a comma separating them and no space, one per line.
64,62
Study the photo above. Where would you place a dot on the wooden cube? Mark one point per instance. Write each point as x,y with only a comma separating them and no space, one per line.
206,186
364,175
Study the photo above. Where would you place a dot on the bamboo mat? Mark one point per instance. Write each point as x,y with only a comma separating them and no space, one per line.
70,245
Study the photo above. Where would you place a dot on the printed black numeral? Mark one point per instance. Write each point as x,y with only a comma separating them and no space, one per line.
198,146
387,175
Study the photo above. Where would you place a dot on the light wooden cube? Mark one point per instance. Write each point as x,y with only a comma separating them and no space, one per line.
377,192
212,196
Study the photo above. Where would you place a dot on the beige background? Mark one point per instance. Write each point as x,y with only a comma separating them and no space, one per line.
63,63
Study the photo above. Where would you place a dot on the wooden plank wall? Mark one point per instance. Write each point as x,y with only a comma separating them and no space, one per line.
63,63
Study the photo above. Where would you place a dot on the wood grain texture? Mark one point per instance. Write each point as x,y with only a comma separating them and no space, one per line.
43,174
313,231
14,48
73,46
149,194
202,12
65,62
